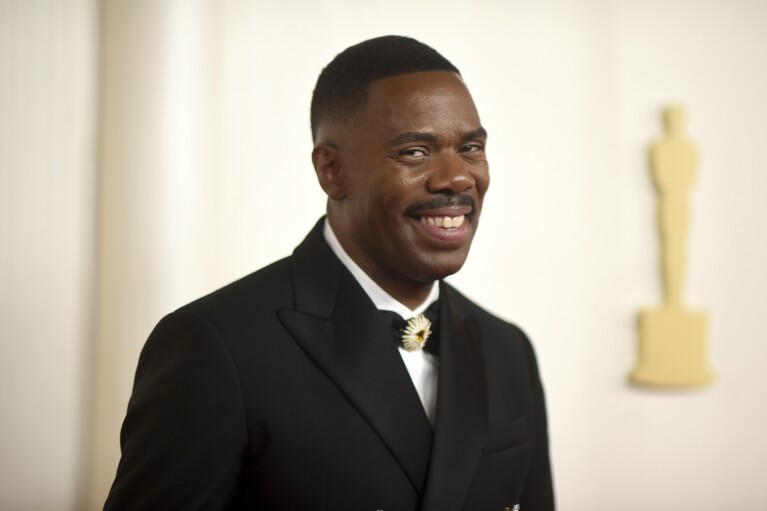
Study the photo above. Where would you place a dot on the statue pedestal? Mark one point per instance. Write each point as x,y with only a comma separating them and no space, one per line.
672,349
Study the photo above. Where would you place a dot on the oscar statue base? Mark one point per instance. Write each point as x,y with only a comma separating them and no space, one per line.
672,349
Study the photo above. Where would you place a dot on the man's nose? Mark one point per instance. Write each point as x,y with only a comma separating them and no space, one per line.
450,174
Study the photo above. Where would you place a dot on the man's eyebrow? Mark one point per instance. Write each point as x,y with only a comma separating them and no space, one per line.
413,136
420,136
474,134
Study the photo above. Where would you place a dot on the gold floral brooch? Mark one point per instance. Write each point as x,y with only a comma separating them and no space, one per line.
416,333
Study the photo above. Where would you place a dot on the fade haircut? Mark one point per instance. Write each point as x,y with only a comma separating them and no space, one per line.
342,87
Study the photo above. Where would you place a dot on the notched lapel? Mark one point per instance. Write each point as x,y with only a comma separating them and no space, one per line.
354,349
461,422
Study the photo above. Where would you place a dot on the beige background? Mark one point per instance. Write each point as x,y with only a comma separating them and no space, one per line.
151,151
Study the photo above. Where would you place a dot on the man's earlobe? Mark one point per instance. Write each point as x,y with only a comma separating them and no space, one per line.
327,166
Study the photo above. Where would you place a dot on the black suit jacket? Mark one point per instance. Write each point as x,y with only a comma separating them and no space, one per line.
285,391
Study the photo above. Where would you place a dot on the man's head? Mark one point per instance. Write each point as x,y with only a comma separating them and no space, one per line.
342,87
400,152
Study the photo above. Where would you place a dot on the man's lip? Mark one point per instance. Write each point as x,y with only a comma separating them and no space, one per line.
452,236
449,211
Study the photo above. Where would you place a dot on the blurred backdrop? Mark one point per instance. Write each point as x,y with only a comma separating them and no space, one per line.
152,151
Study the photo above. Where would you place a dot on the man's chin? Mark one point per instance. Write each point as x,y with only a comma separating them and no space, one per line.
440,267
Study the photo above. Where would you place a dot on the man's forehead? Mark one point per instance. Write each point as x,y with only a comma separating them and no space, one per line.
433,82
423,102
426,101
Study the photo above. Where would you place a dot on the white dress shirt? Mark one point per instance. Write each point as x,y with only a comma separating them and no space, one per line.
421,365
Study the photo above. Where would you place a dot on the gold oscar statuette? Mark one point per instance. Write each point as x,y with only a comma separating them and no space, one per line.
672,339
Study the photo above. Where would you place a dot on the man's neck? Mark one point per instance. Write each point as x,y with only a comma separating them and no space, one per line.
405,302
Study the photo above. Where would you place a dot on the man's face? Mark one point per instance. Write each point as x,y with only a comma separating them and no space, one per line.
414,173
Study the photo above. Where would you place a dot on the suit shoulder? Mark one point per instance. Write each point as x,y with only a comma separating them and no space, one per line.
264,290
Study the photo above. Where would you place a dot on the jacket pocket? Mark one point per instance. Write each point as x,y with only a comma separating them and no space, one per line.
507,435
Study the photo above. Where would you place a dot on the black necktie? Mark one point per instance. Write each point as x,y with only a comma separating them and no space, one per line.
398,325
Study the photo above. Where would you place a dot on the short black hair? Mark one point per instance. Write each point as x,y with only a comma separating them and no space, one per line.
342,87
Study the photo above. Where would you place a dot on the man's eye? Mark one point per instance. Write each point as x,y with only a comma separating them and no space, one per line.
472,148
413,152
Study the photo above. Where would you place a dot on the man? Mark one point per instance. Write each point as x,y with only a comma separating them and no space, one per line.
286,390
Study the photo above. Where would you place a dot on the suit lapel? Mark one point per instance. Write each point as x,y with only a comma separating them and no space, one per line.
338,327
461,422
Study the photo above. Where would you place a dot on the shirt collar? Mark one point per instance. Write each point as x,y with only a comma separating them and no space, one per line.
381,299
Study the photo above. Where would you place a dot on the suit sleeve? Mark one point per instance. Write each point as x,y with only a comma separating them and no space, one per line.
539,492
185,436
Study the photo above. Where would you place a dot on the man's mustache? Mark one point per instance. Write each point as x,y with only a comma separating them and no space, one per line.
441,201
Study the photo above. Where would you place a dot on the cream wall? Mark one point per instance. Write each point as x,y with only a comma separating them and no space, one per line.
47,174
204,175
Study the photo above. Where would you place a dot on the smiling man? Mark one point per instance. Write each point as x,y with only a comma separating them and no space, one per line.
405,179
349,376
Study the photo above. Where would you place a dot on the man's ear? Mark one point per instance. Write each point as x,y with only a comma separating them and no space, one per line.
327,165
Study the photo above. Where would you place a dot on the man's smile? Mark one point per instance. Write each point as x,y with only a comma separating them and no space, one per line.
444,218
446,222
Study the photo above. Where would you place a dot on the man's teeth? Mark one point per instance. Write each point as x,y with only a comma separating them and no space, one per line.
446,222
